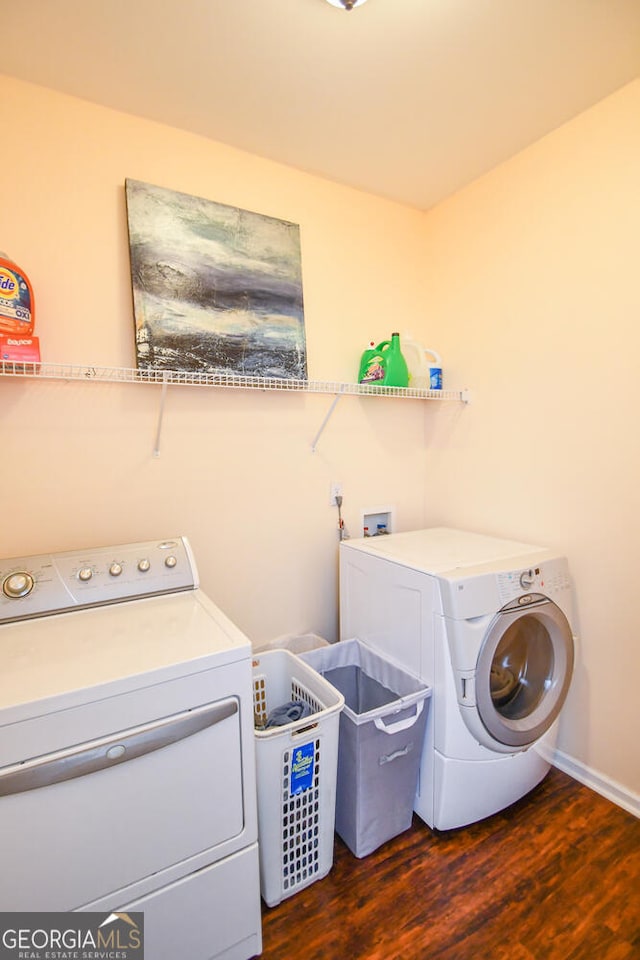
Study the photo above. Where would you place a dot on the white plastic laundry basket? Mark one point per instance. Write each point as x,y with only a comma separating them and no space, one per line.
296,774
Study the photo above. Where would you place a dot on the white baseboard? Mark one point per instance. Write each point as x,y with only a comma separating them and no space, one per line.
597,781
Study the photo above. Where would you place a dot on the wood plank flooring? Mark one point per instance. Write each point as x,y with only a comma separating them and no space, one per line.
554,877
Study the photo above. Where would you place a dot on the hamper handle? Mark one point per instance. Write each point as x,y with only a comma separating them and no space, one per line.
390,757
400,724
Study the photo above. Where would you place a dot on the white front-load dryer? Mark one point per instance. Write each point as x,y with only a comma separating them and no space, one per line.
486,623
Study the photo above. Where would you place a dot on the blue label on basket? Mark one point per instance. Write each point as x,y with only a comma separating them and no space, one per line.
302,768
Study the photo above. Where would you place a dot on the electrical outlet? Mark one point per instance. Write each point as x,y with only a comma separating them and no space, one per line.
335,491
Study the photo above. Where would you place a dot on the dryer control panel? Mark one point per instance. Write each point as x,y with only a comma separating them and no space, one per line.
544,578
56,583
483,590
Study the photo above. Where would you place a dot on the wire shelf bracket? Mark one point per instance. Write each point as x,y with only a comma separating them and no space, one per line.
334,404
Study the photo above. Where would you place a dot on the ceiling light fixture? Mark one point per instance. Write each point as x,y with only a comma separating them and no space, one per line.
346,4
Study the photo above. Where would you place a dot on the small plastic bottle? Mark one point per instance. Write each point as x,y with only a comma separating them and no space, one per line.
365,360
375,368
435,370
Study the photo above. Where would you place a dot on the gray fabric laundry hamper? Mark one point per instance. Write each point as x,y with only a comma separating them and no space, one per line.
382,727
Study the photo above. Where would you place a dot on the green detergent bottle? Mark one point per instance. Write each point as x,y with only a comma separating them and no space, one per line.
365,361
396,373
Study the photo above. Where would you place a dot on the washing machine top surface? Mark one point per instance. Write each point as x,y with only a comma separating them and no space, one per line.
67,637
107,650
476,574
446,552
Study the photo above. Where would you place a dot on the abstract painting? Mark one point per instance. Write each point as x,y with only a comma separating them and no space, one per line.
216,289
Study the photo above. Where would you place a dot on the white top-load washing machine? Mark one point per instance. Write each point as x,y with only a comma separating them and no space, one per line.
486,623
127,776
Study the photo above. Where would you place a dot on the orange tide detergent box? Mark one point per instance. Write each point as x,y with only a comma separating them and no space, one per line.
17,307
17,316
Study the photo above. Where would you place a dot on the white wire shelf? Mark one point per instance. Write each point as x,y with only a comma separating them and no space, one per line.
55,371
167,378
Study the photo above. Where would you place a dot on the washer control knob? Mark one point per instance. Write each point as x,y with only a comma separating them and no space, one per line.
17,585
115,569
144,565
85,574
527,579
170,561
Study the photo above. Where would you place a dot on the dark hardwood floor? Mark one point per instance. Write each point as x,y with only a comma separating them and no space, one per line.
554,877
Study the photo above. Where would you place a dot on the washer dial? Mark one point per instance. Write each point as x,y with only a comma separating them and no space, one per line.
17,585
527,579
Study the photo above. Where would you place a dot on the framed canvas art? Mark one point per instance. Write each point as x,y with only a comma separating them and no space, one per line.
216,289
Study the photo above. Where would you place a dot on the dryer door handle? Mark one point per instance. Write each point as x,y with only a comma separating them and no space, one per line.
109,752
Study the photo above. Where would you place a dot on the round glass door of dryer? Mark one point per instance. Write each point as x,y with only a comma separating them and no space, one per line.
524,670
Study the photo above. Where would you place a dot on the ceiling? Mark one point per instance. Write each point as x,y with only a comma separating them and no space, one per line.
406,99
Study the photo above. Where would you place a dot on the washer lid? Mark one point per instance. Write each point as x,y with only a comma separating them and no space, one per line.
110,647
444,551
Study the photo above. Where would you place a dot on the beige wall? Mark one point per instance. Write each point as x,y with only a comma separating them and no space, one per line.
526,281
534,288
236,473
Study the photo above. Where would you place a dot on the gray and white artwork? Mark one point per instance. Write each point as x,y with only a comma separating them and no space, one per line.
216,289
